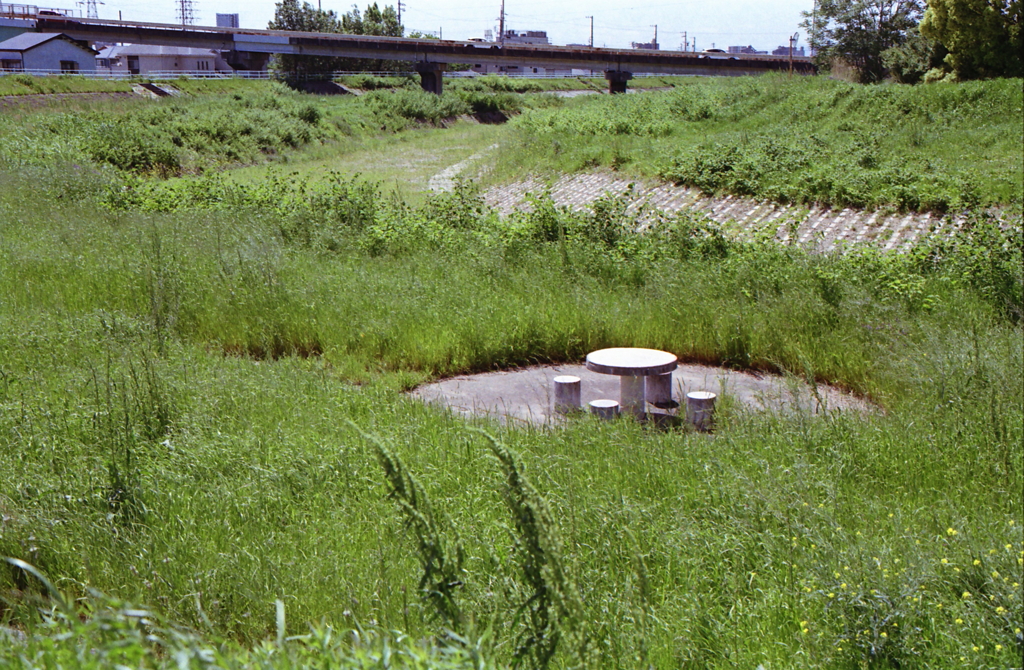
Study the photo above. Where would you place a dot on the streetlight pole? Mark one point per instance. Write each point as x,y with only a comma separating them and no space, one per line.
591,30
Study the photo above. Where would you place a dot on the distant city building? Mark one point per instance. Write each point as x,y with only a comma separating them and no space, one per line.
784,51
141,59
526,37
746,50
515,37
227,21
650,46
55,52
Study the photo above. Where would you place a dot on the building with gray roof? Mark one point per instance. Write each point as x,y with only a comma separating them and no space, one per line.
46,51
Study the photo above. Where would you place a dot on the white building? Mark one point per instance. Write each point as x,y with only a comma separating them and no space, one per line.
143,59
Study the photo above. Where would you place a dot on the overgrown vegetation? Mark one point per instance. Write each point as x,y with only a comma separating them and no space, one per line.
182,362
246,125
937,148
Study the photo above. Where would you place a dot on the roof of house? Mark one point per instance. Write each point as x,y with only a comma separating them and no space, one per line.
152,50
26,41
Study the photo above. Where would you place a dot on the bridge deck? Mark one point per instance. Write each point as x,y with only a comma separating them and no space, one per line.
407,49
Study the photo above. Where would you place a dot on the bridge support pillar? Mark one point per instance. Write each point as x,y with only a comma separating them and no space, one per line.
431,76
246,60
617,80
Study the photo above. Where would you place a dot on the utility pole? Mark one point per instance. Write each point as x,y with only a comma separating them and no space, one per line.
186,12
814,28
401,6
501,25
591,31
655,26
792,43
684,39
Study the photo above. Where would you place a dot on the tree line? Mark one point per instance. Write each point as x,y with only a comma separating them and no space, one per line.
908,40
919,40
290,15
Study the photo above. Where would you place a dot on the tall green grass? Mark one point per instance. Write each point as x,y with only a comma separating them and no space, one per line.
182,363
921,148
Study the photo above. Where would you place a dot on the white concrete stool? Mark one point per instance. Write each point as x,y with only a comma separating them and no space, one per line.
604,409
658,391
567,394
700,409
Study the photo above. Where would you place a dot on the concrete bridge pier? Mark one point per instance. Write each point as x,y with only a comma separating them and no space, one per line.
617,80
431,76
247,60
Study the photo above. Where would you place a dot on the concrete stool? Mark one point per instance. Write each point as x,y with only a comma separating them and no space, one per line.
700,409
567,394
659,391
604,409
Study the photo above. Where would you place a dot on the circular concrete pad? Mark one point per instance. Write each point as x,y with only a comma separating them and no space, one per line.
527,395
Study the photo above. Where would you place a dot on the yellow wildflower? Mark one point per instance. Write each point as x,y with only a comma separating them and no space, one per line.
951,532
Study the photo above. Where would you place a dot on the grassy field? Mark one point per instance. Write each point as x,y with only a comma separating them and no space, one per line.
806,139
208,454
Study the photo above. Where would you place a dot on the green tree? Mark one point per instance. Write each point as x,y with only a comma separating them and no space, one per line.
911,61
374,21
859,31
290,15
983,37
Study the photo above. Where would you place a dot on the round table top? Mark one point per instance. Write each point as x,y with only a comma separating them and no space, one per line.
631,362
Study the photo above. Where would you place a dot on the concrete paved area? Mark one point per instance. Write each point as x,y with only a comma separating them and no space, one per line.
526,396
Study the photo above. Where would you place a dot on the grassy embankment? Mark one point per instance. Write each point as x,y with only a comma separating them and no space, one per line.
179,366
802,140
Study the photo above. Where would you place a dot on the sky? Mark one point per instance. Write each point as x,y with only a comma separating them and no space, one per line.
763,24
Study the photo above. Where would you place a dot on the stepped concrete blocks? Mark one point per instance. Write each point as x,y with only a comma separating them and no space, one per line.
604,409
700,409
567,394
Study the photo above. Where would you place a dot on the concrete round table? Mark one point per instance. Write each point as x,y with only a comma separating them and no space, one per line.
631,365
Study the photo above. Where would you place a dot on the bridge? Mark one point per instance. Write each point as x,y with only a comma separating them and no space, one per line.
250,49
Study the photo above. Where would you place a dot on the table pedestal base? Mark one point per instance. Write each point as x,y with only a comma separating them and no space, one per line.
632,398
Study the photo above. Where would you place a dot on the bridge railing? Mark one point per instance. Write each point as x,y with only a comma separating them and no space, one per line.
264,74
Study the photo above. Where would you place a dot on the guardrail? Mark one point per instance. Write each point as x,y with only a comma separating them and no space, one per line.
160,74
264,74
